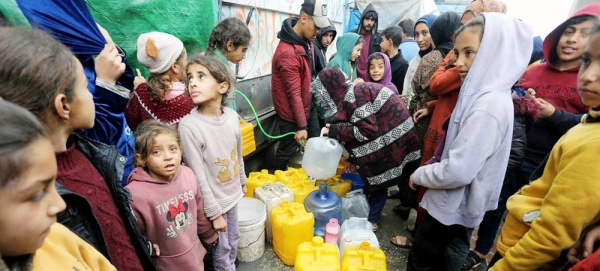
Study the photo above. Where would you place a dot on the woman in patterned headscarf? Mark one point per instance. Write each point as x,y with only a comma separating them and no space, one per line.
373,125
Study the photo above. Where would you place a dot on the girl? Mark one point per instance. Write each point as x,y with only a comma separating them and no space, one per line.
466,181
212,144
348,50
163,97
167,200
380,143
548,215
30,237
380,70
229,41
45,78
424,42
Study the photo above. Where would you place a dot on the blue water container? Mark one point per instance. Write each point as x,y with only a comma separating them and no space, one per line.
324,204
357,182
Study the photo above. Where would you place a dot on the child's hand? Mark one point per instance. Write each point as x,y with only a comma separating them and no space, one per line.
411,182
219,224
139,79
358,80
109,64
530,93
156,249
244,189
546,109
420,114
584,246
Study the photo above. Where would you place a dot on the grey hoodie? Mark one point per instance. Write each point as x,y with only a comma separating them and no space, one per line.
467,181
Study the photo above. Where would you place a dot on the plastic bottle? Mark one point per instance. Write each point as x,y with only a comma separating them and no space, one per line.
321,157
324,204
332,231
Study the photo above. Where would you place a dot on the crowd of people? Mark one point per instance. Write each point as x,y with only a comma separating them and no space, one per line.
470,115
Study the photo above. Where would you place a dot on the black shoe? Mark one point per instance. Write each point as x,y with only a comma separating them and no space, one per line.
472,261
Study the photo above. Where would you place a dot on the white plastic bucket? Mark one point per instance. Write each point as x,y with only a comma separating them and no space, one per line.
251,219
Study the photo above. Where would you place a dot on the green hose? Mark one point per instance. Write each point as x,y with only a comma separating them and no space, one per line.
258,121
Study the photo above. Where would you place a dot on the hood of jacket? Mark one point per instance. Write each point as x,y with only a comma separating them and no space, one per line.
324,30
140,175
287,33
329,88
344,45
369,9
479,6
501,35
442,31
386,80
551,40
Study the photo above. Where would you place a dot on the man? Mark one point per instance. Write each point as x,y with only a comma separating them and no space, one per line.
409,47
367,28
323,40
293,68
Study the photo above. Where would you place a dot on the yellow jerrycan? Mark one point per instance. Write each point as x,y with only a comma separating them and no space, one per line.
363,257
317,256
257,179
291,226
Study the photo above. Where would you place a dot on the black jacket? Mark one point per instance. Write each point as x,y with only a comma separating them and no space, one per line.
399,68
78,215
376,38
320,50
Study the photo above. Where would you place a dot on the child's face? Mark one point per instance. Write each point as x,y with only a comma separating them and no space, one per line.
588,81
30,205
376,69
356,52
572,43
203,87
385,44
164,158
422,36
236,55
465,50
82,108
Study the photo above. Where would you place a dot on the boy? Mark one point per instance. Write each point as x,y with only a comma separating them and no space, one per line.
408,46
390,39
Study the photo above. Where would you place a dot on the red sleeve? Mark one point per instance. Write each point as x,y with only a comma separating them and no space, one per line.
290,66
431,106
591,263
445,80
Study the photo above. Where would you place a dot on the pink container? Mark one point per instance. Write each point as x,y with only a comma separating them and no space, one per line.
332,231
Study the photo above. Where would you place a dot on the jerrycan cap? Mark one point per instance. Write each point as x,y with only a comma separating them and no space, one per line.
365,246
317,241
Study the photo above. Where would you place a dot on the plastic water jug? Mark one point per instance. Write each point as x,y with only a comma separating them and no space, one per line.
363,257
257,179
291,226
338,185
272,195
317,256
300,188
355,231
292,174
332,231
324,204
321,157
355,204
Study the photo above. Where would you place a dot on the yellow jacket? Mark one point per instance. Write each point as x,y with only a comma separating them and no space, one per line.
567,196
63,250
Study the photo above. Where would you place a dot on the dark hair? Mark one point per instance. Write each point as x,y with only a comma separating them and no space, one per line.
360,40
562,27
35,68
408,27
372,57
19,129
231,29
393,33
160,83
478,25
144,137
217,69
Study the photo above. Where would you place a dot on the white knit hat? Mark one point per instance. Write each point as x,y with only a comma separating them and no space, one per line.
157,51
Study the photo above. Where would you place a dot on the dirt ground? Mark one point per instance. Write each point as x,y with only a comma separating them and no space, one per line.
391,224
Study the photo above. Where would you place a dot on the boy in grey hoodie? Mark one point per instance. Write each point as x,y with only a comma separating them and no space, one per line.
466,182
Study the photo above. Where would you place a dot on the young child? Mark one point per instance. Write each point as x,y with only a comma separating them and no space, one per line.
229,41
380,143
167,199
554,84
380,70
212,146
348,48
163,97
391,38
466,181
547,216
30,238
45,78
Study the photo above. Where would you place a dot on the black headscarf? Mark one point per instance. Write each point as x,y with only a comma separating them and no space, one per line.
442,31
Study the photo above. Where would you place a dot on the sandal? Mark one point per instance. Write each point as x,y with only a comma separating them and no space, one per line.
472,261
375,226
404,212
410,229
397,241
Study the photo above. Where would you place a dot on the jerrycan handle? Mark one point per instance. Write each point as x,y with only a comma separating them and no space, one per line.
323,131
354,193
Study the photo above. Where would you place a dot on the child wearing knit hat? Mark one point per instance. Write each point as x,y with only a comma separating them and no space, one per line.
163,97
